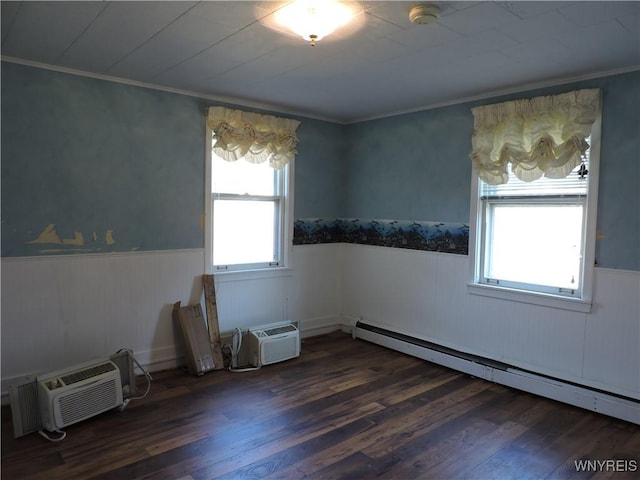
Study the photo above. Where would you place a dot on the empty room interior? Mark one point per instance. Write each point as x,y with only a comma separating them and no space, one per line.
320,239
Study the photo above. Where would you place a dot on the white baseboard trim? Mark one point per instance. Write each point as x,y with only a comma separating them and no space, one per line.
163,358
571,394
312,327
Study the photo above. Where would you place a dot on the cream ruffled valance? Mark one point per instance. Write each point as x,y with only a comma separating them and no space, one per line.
252,136
538,136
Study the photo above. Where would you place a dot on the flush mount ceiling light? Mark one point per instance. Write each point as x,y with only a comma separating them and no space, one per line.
424,14
315,19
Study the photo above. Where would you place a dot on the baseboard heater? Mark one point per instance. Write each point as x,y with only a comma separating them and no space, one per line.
614,405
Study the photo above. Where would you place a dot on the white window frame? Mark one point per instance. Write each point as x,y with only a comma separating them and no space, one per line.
520,293
283,225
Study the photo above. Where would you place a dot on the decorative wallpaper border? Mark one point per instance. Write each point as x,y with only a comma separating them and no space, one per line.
428,236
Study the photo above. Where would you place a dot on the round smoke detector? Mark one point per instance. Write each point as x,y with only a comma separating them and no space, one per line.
424,14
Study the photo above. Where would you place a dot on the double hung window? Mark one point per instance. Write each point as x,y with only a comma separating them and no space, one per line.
249,186
534,199
533,234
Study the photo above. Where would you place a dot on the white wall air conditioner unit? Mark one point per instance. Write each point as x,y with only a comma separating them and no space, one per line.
273,343
72,395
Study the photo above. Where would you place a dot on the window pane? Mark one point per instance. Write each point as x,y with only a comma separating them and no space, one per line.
243,231
242,177
535,244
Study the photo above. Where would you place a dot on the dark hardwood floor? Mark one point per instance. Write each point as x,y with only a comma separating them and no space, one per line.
344,409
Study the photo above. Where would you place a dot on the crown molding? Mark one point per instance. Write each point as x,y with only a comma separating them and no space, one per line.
279,109
135,83
498,93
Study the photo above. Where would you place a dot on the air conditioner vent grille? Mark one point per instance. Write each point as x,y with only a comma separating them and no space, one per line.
91,372
78,405
278,330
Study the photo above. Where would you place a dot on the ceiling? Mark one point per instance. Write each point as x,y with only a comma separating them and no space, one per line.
223,50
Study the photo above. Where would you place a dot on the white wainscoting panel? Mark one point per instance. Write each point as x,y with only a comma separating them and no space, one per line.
308,293
62,310
424,295
58,311
612,334
246,300
316,289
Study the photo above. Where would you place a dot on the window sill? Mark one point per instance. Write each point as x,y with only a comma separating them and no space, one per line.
533,298
258,274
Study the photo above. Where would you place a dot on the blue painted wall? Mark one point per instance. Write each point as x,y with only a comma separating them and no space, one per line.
94,157
411,167
122,165
319,169
416,166
619,187
91,156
